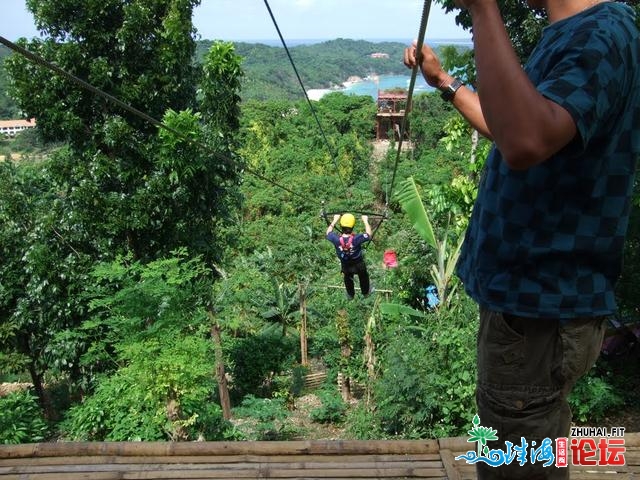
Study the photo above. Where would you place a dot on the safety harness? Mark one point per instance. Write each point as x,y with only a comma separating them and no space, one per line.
346,247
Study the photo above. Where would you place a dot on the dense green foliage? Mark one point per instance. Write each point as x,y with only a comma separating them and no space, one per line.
148,330
8,108
147,272
417,397
592,398
120,187
21,419
268,74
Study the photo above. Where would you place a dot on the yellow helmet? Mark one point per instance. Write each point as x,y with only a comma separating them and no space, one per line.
347,220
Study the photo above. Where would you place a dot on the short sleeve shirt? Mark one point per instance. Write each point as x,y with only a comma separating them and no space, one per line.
356,245
548,241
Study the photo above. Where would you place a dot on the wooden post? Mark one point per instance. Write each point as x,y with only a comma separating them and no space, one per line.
370,349
370,356
221,377
342,324
304,351
174,415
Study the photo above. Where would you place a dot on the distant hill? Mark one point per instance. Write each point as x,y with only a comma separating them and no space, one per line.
270,76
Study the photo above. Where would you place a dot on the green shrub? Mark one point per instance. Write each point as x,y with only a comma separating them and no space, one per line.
117,411
405,402
256,359
21,419
592,398
164,393
427,386
332,408
362,424
263,419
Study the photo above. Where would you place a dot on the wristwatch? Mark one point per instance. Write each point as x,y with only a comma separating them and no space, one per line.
449,91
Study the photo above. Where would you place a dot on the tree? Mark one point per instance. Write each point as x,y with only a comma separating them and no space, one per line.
283,303
220,88
121,187
148,322
8,108
523,24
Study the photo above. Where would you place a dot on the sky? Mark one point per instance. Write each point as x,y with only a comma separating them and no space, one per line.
297,19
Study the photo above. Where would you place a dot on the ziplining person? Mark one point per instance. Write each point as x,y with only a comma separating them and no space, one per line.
349,250
543,249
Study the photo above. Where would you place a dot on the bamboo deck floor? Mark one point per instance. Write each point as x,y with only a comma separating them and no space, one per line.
309,460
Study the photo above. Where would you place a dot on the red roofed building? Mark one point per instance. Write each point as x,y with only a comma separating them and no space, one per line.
9,128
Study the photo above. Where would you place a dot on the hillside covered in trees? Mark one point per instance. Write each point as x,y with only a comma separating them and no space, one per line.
174,283
268,74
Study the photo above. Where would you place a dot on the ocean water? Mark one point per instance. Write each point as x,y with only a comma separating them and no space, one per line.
386,82
371,86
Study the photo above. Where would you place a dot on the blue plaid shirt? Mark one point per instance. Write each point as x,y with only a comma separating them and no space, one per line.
548,241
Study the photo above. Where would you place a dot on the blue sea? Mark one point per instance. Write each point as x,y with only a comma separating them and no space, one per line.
386,82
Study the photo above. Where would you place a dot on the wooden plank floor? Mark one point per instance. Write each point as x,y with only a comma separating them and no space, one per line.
309,460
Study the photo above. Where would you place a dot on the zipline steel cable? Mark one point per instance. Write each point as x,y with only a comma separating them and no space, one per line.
403,127
414,72
56,69
420,41
313,111
32,57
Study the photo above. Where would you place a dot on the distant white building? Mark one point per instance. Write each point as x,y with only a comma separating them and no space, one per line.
9,128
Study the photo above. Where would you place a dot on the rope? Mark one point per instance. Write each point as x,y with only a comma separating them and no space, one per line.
421,35
157,123
412,83
423,24
313,111
360,212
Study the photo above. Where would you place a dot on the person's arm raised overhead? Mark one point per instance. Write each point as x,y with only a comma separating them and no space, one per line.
527,128
367,227
465,100
333,224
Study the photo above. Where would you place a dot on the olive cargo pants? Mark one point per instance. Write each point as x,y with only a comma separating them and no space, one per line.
526,370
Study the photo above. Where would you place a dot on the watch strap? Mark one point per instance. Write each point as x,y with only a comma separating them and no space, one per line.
449,91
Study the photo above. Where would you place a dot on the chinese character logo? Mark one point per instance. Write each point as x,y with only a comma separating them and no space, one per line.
481,435
497,457
586,451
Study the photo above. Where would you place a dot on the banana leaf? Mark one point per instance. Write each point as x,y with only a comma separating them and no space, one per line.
411,202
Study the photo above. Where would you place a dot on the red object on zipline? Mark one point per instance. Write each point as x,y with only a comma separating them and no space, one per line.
390,260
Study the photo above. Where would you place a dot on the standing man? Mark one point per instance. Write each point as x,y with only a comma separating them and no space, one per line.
543,249
349,251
